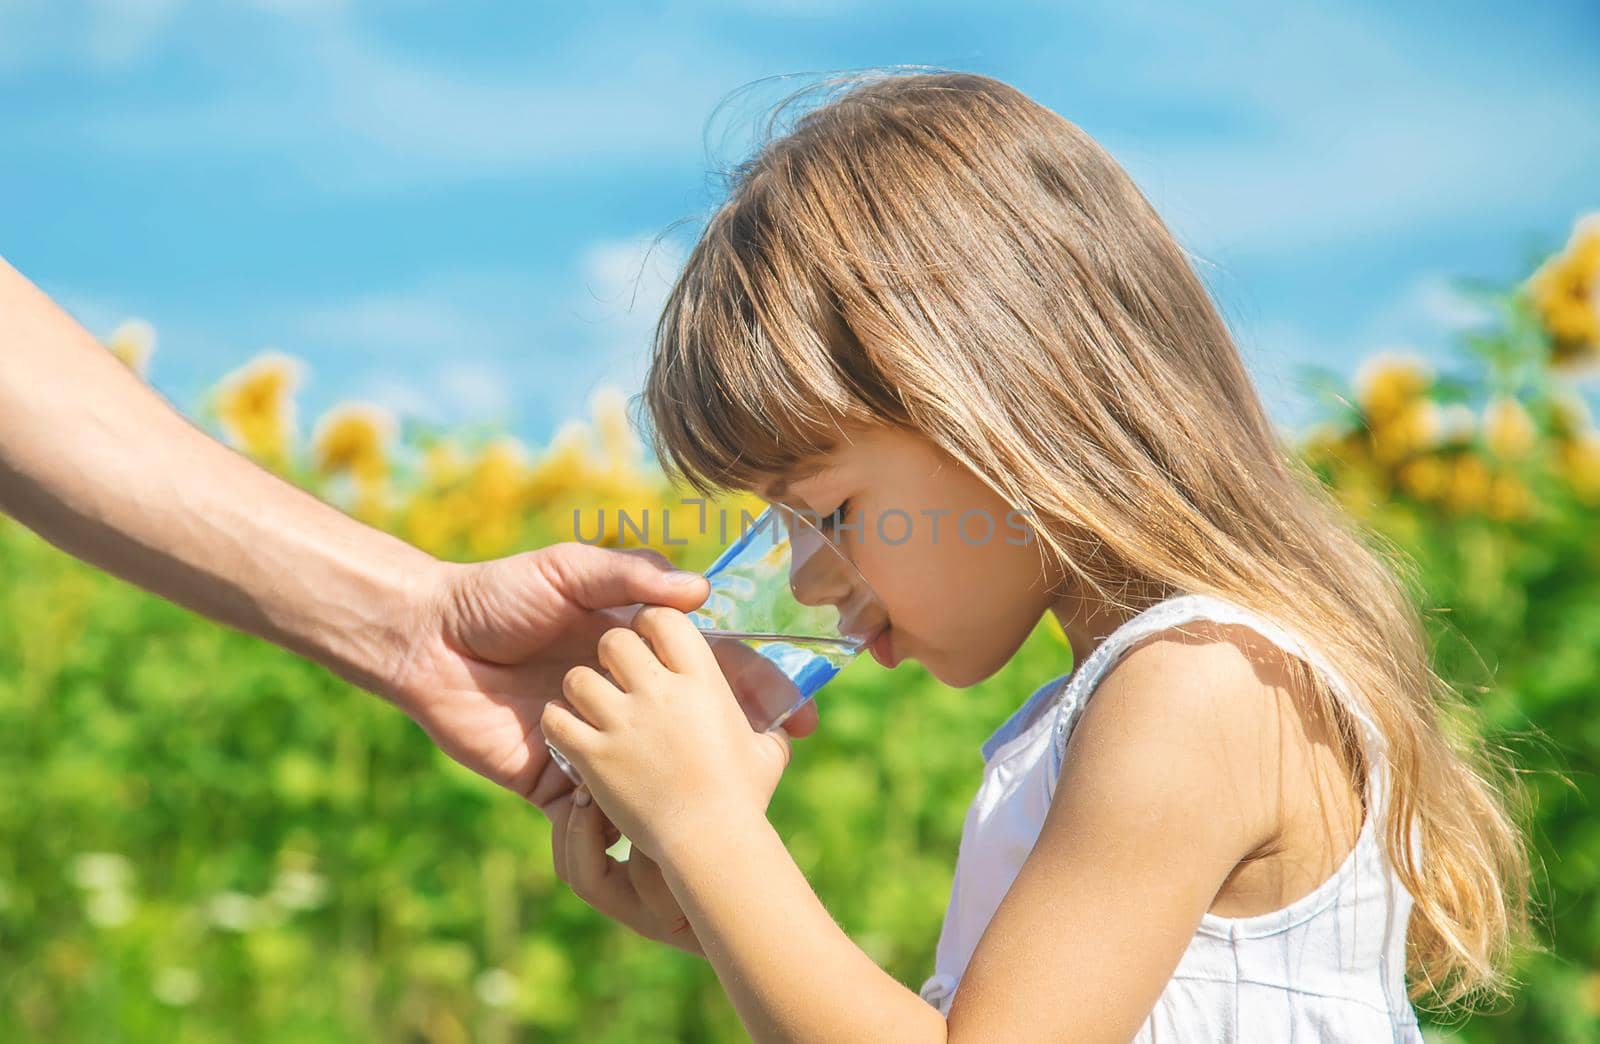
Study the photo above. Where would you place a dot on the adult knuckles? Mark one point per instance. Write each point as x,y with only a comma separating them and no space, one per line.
649,554
558,562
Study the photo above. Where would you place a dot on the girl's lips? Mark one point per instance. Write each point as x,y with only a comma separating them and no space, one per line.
882,648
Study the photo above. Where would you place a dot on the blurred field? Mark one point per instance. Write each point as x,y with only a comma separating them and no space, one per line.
205,839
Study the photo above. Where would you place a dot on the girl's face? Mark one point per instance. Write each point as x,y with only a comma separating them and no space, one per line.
958,571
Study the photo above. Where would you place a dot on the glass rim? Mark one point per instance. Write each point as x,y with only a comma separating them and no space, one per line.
742,541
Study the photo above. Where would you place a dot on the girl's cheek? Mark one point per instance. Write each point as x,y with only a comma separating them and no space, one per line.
910,581
879,566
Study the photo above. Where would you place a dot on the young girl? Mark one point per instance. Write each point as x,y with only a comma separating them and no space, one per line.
1238,817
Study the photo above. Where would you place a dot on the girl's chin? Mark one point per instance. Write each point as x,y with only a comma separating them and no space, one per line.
961,674
890,649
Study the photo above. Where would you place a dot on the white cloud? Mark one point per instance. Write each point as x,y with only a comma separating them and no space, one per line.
1431,304
418,324
475,389
354,115
472,392
625,285
401,396
101,35
494,346
634,274
121,32
1344,124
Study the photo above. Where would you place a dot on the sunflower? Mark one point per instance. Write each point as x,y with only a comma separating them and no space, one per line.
1565,292
353,439
256,406
1580,465
1508,430
1387,382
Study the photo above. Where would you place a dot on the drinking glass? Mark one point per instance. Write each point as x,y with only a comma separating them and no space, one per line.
787,611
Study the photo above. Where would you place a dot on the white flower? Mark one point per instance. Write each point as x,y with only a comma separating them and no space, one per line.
234,911
108,908
178,987
299,890
102,870
496,987
1457,423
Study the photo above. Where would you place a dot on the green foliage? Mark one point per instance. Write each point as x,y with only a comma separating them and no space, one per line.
204,838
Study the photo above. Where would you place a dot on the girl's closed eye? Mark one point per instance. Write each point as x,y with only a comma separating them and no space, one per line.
834,517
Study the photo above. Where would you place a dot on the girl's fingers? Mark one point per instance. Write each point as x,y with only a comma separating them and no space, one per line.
560,812
623,653
593,696
676,641
567,732
594,876
650,884
802,722
759,684
632,893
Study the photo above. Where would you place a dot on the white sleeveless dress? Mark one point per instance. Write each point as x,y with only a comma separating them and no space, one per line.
1330,966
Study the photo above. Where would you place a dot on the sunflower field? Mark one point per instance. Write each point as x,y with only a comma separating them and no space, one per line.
207,839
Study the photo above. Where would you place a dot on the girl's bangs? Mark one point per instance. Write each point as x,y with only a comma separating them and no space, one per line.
745,382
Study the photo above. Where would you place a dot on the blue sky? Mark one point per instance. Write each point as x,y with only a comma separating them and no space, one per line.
441,206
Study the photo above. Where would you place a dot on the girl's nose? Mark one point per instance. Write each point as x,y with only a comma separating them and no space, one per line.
818,572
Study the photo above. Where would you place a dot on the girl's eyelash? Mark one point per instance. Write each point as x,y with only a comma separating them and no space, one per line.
836,514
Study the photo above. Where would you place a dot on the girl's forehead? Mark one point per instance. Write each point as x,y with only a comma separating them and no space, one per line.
874,451
858,448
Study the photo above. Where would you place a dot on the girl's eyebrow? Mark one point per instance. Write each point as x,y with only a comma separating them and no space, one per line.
797,474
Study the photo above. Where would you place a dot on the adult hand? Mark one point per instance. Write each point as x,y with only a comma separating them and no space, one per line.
491,642
632,891
662,742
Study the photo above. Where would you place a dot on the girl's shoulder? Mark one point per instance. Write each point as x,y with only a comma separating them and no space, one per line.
1198,661
1197,649
1205,683
1222,703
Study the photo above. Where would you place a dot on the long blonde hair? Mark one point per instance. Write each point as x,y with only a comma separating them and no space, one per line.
937,251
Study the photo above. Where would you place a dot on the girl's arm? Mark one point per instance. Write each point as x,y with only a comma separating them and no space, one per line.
791,972
1164,792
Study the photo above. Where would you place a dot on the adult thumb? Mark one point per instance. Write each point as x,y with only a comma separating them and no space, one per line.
607,578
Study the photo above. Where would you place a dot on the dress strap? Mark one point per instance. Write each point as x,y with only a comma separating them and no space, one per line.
1185,608
1023,716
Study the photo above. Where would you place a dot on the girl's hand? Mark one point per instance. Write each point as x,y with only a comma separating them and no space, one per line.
634,893
666,748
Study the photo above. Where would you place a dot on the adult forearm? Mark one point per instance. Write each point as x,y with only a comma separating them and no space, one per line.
790,970
101,466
